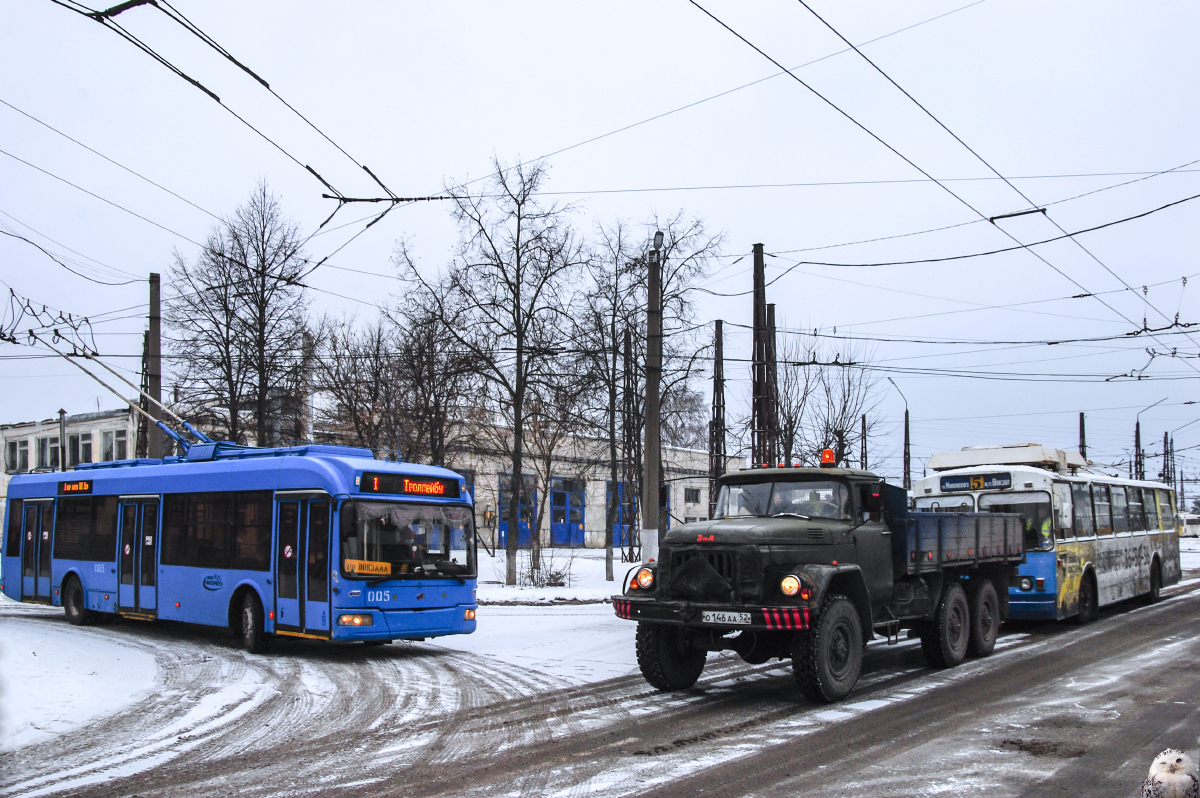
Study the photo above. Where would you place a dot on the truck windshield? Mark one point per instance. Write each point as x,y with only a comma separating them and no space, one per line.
814,499
386,540
1034,507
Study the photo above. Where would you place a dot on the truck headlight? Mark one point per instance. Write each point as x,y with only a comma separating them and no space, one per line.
790,585
645,578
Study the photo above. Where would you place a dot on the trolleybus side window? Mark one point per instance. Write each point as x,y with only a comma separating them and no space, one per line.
12,543
1120,510
1137,511
1151,509
1168,509
1100,500
218,530
946,504
86,528
1035,509
1081,502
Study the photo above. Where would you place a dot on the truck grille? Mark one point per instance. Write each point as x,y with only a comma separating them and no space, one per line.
721,561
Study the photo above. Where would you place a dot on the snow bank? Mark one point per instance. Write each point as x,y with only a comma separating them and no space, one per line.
55,677
583,571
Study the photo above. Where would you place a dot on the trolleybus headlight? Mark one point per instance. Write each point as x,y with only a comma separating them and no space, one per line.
1026,583
468,615
790,585
645,578
355,620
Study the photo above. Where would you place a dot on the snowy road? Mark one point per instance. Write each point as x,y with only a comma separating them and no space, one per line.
469,717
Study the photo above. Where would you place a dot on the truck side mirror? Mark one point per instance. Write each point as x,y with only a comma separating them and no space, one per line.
872,497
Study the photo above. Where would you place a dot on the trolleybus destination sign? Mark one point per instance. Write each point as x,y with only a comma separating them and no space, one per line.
977,482
409,485
76,486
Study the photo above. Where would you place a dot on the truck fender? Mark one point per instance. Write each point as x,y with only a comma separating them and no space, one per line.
847,580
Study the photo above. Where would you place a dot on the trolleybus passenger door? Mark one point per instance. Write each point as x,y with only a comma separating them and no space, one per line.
316,587
148,559
289,571
136,584
35,554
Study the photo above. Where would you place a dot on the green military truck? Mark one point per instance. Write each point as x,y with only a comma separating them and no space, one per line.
809,564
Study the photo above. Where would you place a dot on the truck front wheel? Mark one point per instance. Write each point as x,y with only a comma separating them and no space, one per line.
945,640
828,658
985,616
666,659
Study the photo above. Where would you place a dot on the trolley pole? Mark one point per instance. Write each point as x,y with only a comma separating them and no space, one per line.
650,488
154,368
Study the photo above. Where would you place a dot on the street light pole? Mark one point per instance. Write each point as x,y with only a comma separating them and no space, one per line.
907,460
650,467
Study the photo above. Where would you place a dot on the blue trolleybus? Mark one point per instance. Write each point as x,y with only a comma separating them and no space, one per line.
311,541
1090,539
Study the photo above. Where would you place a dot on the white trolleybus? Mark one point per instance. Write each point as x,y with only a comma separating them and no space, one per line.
1090,539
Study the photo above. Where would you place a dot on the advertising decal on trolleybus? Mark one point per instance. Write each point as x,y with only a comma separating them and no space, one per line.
309,541
1090,539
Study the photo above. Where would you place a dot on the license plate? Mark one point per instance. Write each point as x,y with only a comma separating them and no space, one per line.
729,618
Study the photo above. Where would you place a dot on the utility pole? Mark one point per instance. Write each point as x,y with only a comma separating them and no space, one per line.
716,427
154,367
1082,438
907,459
772,421
759,391
62,440
650,488
864,442
1166,469
1137,449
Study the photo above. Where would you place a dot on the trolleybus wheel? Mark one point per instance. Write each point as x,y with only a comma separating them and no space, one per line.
1089,607
1155,583
254,639
828,658
945,642
665,658
74,604
984,606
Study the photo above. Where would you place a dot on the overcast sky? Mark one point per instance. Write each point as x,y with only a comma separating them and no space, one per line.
1063,98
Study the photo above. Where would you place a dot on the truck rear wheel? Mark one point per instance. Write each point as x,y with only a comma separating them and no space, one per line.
828,658
984,604
666,659
945,641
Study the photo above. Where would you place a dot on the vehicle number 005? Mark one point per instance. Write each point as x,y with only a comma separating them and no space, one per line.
379,595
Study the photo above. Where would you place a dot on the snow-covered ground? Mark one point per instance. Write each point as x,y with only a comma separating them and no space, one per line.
582,570
53,678
1189,554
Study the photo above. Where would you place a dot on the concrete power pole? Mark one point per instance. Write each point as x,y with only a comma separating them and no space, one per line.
1082,438
650,487
62,440
716,427
864,442
154,368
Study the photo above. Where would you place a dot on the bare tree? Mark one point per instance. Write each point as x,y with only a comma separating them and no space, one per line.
503,296
797,381
237,323
366,401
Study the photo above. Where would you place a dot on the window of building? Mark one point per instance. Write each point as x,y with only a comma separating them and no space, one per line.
79,448
691,495
47,452
115,445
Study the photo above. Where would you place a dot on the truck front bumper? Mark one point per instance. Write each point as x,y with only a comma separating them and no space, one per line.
712,616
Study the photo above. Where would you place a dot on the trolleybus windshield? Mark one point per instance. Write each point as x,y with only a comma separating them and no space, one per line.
1034,507
389,540
811,499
